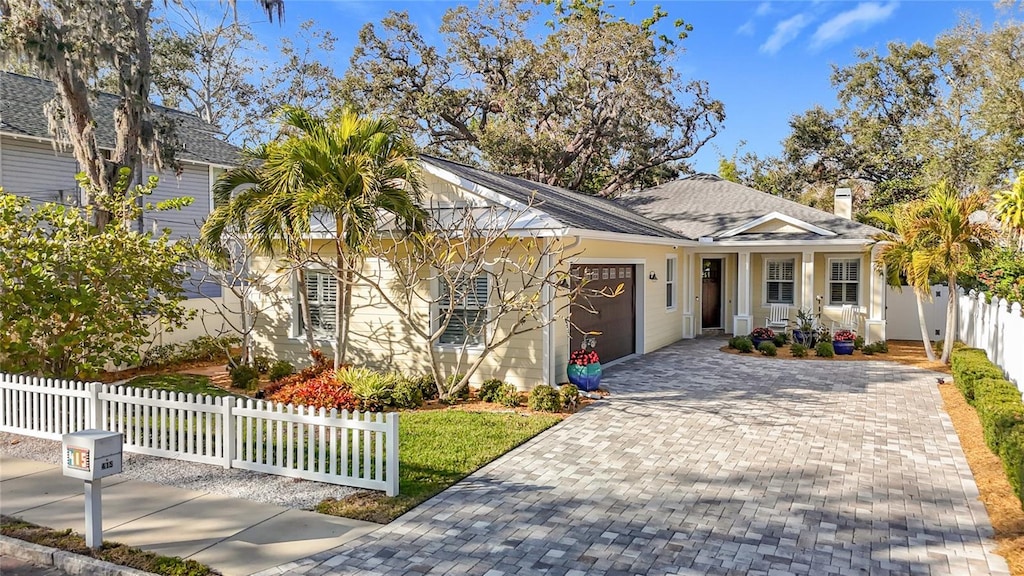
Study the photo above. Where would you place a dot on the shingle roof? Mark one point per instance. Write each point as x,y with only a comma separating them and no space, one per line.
704,205
572,209
21,112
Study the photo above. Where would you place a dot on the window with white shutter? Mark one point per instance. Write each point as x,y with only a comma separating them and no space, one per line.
466,310
843,281
779,283
322,293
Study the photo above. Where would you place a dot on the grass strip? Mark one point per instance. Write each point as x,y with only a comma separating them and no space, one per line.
185,383
110,551
438,448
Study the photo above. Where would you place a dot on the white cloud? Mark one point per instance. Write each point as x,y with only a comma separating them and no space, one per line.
858,19
747,29
785,32
763,8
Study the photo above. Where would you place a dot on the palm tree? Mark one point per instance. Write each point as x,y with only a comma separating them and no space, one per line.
1010,209
343,171
896,256
948,237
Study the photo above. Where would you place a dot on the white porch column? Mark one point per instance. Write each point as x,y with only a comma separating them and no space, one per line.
874,323
688,296
807,281
742,323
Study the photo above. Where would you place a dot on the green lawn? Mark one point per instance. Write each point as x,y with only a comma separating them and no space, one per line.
187,383
438,448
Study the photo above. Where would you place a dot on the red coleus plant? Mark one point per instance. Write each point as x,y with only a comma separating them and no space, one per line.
583,357
844,336
762,333
320,391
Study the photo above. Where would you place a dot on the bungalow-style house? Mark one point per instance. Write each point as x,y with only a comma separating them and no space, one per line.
696,256
30,165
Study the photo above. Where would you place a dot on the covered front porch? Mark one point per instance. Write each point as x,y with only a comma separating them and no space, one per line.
733,287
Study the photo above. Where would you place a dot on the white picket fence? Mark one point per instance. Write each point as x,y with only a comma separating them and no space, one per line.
352,449
997,328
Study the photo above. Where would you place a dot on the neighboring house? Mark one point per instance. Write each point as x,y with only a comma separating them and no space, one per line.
695,256
30,164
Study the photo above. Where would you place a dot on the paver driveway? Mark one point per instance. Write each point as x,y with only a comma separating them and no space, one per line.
706,463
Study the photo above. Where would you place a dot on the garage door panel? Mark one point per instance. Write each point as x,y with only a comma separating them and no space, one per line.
613,317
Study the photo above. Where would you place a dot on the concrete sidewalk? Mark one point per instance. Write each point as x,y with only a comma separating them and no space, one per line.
236,537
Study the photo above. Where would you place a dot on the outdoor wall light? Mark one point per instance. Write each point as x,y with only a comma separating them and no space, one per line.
653,276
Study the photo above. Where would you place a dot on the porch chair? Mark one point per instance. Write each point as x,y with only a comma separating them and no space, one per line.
778,317
849,320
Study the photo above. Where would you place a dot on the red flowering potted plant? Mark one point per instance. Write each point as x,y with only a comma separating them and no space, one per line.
760,334
584,369
842,341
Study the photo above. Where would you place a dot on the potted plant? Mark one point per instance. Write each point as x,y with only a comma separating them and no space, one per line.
804,331
842,341
760,334
584,369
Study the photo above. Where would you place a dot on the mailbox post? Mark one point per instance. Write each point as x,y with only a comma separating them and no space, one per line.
92,455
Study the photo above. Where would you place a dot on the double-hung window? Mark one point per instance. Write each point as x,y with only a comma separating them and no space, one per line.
463,304
779,284
322,294
843,281
670,282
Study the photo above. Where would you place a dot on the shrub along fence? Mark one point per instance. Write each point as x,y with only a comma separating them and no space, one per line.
999,407
997,328
351,449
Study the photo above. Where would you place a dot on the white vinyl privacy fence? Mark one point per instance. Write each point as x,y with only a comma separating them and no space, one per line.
996,327
352,449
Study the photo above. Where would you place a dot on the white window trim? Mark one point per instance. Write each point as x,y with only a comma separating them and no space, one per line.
435,312
297,333
829,281
672,283
765,259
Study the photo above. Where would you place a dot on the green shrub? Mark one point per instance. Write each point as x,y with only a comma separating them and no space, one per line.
201,349
971,365
374,390
858,343
245,377
568,396
732,341
883,346
281,369
780,340
261,364
1000,409
767,349
824,350
798,350
426,385
407,394
508,395
544,398
744,344
489,389
869,349
1011,451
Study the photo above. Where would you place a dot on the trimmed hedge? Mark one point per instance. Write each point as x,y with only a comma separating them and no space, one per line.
1000,410
971,365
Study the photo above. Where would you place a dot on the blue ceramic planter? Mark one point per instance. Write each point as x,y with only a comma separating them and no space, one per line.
586,378
845,348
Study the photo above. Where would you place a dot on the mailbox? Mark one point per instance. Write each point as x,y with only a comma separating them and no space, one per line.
92,454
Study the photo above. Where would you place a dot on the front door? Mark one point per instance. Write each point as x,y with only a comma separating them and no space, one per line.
711,293
613,317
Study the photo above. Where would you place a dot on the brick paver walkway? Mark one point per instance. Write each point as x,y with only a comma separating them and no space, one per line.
706,463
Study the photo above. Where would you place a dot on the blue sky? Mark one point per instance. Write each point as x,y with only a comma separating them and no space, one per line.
765,60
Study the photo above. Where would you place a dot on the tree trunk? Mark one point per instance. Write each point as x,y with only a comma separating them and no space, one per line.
925,338
347,319
307,318
951,313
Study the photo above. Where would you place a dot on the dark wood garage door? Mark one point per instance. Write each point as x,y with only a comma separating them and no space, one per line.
615,318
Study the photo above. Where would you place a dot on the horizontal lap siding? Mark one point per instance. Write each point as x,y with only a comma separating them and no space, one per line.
193,182
36,170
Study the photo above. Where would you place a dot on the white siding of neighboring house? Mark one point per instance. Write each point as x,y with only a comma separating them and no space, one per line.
194,182
34,169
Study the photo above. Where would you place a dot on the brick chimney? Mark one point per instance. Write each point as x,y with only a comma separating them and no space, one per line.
843,204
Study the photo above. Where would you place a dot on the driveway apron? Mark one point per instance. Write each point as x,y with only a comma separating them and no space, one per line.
707,463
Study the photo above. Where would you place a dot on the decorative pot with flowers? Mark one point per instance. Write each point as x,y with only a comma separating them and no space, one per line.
761,335
584,369
842,341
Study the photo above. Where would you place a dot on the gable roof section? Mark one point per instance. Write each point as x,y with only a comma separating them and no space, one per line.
571,209
21,113
704,205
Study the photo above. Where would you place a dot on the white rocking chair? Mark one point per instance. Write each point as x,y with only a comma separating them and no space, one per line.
778,317
849,320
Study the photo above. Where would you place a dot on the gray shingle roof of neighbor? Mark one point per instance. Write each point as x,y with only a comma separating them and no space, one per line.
21,112
704,205
572,209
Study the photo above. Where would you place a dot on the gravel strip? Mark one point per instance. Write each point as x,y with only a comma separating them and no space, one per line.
244,484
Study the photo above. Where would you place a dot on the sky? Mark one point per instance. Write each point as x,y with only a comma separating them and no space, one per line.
766,61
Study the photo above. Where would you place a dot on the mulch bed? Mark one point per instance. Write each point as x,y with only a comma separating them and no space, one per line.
902,351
